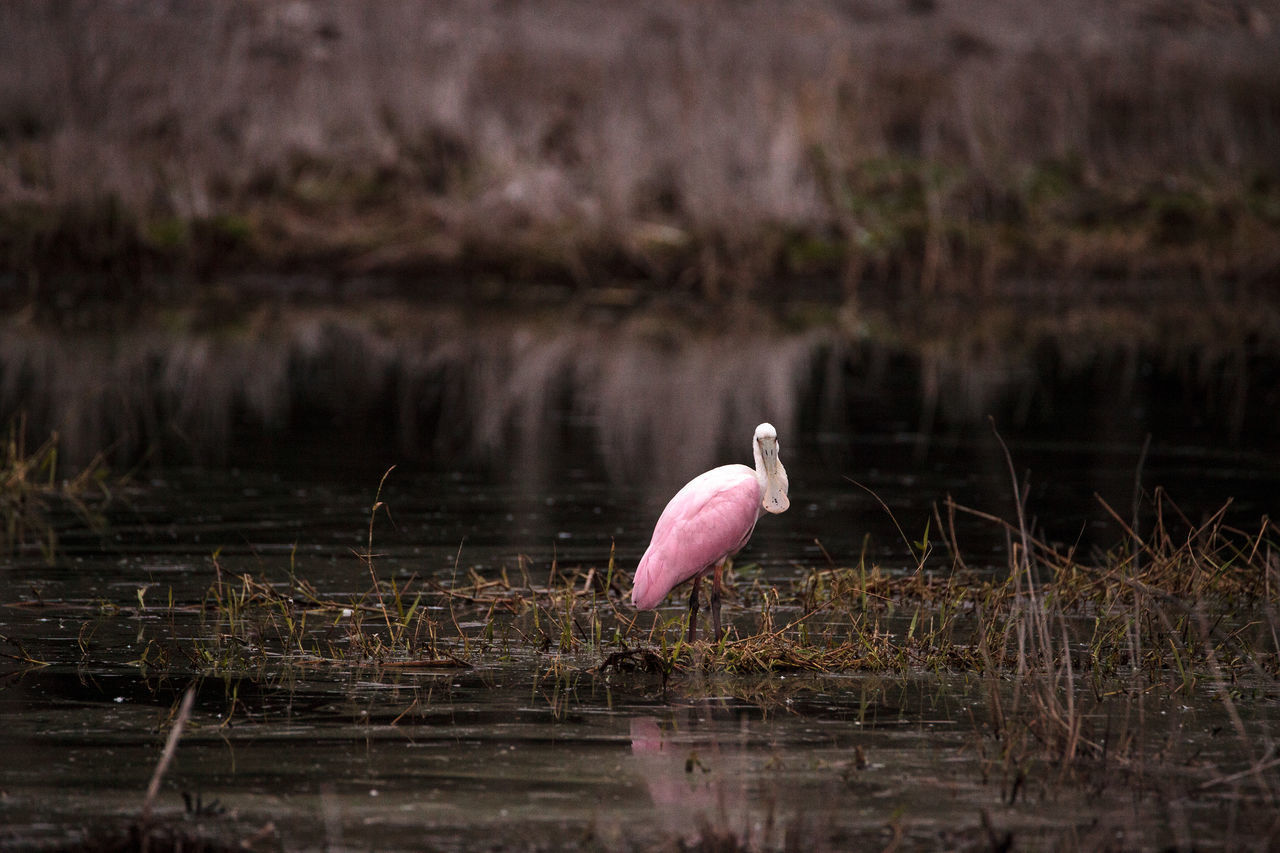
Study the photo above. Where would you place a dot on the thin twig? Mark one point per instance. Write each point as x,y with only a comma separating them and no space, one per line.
170,746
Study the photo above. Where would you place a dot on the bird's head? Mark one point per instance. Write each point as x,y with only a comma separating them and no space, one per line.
769,470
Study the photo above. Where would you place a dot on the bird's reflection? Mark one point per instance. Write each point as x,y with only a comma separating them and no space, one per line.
695,773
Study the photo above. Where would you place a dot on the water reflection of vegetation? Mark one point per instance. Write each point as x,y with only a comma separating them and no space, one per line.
488,386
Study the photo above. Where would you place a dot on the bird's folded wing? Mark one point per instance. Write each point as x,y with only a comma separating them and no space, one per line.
703,523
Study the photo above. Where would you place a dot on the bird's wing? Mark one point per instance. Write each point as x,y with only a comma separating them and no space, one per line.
709,518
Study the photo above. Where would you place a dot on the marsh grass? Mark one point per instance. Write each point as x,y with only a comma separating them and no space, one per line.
249,624
1187,605
31,490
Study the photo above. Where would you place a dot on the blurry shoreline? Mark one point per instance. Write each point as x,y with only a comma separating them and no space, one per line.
886,152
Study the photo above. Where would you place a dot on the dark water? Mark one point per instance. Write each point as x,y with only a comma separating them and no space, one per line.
520,451
521,752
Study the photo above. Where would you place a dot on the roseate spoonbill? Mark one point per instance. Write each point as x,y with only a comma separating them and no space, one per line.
706,523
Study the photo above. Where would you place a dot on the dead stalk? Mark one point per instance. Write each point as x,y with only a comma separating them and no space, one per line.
170,746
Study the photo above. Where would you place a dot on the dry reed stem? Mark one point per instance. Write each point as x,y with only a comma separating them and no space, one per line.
170,747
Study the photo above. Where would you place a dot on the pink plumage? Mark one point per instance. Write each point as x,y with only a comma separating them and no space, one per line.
706,523
709,519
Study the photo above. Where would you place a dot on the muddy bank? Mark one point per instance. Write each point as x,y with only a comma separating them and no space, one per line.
874,148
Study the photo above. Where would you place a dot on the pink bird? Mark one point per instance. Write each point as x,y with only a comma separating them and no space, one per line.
706,523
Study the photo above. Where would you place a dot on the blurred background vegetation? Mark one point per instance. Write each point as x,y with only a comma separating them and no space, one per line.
883,149
988,188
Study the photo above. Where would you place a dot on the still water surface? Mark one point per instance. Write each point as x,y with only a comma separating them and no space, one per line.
518,753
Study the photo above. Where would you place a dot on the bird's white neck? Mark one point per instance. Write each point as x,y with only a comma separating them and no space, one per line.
770,474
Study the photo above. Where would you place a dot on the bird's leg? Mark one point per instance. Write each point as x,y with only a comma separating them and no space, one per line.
693,608
715,601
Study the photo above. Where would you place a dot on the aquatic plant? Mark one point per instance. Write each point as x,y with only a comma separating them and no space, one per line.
1187,603
31,489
